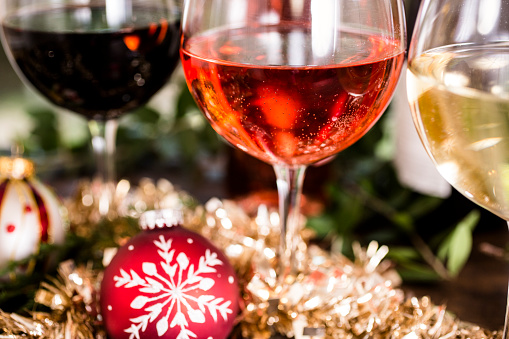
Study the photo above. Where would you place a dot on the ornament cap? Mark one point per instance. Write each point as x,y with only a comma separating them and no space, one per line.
16,168
156,219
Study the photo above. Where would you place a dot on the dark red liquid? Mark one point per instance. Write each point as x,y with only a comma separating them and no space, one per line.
97,72
290,114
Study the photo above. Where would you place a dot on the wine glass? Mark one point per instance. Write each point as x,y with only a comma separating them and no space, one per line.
97,58
458,90
292,82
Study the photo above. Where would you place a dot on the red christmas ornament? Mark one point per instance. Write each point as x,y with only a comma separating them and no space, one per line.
30,212
169,282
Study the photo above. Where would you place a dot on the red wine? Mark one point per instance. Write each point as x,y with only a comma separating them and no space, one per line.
296,114
73,58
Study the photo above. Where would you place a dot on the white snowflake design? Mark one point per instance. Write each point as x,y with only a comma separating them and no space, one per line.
167,292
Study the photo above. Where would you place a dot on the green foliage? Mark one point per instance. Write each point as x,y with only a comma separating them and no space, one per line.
45,132
456,247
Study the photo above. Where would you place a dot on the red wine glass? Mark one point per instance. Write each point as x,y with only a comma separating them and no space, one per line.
292,82
97,58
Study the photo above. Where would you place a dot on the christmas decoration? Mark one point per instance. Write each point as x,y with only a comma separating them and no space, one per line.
334,297
30,213
71,299
131,201
169,282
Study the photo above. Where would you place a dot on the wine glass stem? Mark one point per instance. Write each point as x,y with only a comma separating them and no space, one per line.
505,335
104,144
289,186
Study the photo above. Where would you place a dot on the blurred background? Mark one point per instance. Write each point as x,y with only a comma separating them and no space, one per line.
383,188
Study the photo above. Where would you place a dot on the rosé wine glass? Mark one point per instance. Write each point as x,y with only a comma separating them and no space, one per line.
98,58
292,82
458,90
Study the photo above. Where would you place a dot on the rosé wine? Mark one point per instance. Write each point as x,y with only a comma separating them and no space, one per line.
295,114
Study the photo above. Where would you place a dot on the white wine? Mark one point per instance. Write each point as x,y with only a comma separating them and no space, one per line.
459,96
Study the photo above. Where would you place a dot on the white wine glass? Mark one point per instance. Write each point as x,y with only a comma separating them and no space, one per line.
97,58
458,90
292,82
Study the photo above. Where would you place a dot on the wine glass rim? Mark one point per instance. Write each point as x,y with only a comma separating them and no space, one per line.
31,8
391,50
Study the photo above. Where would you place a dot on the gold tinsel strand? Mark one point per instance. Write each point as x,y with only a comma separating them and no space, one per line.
332,297
71,298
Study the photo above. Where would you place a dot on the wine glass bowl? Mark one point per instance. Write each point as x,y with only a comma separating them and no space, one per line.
458,90
284,116
292,83
78,60
463,120
276,93
100,59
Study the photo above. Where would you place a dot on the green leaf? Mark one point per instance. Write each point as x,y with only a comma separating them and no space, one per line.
403,254
146,114
322,225
349,216
471,220
412,271
443,249
459,250
457,246
404,221
423,206
348,211
461,242
45,131
185,102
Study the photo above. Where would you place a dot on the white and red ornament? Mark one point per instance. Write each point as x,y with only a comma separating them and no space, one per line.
30,213
169,282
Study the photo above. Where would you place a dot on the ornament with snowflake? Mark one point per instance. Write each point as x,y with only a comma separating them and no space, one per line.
180,292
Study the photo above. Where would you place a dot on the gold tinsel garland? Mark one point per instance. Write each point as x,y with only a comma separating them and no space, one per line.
333,297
